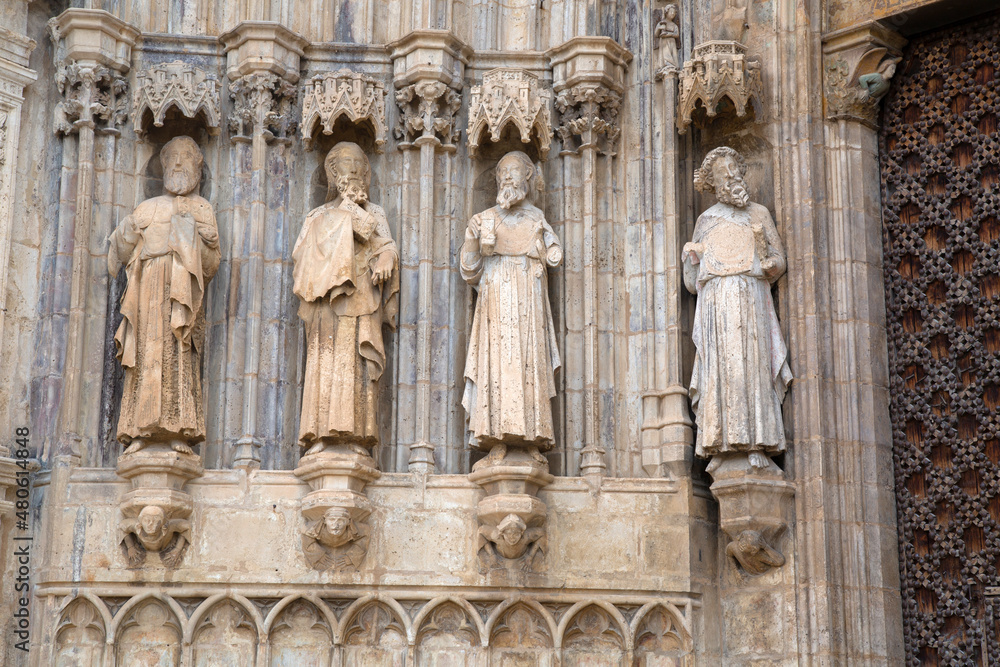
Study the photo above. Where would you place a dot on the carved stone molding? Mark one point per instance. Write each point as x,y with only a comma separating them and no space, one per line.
718,70
510,95
262,46
262,102
93,36
588,79
428,73
94,95
358,97
858,65
175,84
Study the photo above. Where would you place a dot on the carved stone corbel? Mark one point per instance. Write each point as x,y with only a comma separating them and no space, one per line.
336,510
719,70
510,95
175,84
356,96
858,64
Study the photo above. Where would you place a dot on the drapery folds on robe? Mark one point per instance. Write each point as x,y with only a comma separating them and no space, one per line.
741,371
343,311
170,249
512,359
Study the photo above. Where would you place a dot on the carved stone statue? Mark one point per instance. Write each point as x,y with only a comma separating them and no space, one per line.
335,541
170,249
512,356
345,275
753,554
667,32
741,371
512,538
151,531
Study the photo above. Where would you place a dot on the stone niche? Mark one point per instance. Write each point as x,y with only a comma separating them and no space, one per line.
245,581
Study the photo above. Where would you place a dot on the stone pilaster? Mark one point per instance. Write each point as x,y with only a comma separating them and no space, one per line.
428,72
263,67
588,79
93,52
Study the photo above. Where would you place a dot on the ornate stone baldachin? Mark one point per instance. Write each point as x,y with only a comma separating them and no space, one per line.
719,70
358,97
179,85
509,95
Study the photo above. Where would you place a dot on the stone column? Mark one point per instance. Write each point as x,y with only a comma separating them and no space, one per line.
857,468
262,66
93,52
588,79
667,436
428,70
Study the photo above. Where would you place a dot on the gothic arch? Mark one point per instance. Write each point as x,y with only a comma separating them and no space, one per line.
577,610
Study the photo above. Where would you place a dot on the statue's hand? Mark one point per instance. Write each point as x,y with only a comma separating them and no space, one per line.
383,268
768,265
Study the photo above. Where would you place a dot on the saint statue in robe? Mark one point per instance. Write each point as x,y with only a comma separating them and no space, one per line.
512,358
170,249
346,277
741,371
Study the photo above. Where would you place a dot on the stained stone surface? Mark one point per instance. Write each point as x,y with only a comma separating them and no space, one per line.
634,567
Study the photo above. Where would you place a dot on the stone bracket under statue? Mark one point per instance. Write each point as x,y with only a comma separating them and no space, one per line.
511,516
753,507
156,509
336,510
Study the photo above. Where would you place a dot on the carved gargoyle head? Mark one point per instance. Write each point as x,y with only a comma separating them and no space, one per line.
348,172
182,161
722,173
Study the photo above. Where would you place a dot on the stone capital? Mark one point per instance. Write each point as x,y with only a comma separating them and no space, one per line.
262,104
588,77
253,47
93,37
858,65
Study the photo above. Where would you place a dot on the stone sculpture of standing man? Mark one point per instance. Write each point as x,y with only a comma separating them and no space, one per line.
740,372
512,358
170,249
345,276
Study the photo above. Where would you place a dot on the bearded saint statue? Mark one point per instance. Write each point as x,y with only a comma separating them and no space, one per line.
741,371
347,279
170,249
512,358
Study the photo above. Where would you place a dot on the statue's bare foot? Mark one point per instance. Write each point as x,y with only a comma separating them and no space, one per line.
316,448
180,447
136,445
758,460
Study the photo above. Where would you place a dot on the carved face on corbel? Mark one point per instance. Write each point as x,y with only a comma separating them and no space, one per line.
182,161
512,529
348,172
151,522
336,529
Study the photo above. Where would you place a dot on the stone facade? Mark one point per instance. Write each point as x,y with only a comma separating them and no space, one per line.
405,540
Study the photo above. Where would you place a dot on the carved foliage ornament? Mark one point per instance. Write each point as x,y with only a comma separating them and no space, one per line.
854,92
263,103
515,96
92,93
175,84
427,109
356,96
719,70
589,114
